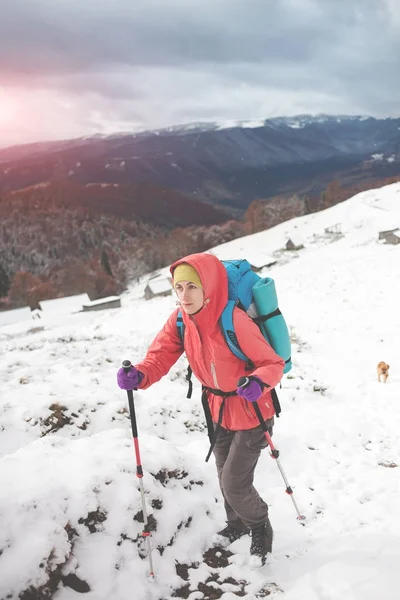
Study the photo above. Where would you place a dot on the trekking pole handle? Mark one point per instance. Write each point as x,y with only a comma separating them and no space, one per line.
244,382
126,365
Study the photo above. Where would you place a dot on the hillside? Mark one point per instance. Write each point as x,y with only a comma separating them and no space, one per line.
66,450
145,202
228,165
61,234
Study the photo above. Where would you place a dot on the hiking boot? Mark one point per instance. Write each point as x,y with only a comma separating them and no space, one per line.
261,539
233,531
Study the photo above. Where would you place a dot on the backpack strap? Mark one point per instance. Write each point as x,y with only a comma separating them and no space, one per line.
207,414
276,403
213,433
180,325
189,380
228,330
262,319
181,332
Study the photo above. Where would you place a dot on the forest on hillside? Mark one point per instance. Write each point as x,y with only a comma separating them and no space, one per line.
51,245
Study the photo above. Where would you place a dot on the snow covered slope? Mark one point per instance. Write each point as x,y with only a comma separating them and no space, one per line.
70,509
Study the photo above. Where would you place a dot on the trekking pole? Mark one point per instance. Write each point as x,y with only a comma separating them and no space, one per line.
243,382
139,471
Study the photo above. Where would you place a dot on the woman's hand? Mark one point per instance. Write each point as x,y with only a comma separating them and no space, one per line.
251,390
129,380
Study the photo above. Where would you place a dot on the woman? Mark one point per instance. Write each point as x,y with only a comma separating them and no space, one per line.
201,284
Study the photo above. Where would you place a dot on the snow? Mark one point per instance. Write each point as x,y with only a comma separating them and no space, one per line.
68,304
259,260
252,124
301,121
160,286
15,315
69,495
297,125
101,301
295,122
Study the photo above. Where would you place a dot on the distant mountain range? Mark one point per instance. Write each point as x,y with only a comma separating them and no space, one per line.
225,164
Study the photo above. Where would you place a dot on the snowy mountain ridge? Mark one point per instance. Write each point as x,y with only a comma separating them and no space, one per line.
70,507
295,122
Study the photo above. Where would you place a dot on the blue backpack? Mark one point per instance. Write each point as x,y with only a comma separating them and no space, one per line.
257,296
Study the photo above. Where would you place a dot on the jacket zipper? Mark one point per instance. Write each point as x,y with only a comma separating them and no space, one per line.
214,376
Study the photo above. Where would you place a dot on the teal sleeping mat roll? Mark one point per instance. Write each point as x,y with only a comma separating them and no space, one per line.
274,328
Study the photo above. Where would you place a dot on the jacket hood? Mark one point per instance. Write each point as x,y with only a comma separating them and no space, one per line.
214,280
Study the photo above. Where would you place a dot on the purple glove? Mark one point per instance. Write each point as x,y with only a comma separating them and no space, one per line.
252,390
129,380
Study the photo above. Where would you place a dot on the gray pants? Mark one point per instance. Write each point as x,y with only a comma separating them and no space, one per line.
236,456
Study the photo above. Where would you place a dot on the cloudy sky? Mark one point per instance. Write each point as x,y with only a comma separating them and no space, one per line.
77,67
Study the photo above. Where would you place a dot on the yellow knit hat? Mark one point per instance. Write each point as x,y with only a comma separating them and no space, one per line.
185,272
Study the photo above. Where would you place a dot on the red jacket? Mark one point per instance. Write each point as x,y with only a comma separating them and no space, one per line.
212,362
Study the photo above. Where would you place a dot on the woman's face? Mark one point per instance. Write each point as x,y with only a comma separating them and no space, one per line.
190,296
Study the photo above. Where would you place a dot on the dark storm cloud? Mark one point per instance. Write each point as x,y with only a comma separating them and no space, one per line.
41,37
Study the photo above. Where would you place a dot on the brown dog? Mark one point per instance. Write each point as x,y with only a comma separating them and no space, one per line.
382,370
